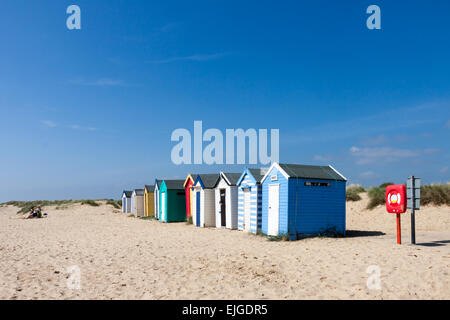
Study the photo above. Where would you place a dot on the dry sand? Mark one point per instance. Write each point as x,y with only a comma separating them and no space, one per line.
127,258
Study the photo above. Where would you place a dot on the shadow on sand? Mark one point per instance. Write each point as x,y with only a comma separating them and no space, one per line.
362,233
438,243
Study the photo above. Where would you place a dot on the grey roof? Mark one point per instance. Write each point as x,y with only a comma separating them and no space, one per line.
150,188
209,180
127,193
194,176
231,177
311,172
174,184
139,192
258,174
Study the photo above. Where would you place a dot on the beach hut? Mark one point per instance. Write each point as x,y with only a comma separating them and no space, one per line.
126,201
149,201
226,200
172,206
203,209
250,200
137,202
156,195
301,200
188,183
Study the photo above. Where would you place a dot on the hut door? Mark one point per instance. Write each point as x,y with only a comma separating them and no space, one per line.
247,212
223,212
163,206
124,205
274,209
197,209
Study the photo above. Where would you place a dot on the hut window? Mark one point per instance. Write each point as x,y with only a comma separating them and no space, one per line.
317,184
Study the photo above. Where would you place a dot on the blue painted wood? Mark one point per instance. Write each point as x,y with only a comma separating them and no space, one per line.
248,181
314,209
306,210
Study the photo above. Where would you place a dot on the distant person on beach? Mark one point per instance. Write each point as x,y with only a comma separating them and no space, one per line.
39,212
34,213
30,214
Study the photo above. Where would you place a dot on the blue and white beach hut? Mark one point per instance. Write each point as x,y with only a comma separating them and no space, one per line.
250,200
301,200
204,210
126,201
156,195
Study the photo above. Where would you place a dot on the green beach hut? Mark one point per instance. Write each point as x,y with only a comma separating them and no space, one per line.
172,200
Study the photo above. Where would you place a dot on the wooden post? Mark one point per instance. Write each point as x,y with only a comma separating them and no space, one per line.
413,206
399,230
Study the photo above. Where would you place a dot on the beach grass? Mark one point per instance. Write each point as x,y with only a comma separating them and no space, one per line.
26,206
91,203
147,218
434,194
437,194
117,204
352,193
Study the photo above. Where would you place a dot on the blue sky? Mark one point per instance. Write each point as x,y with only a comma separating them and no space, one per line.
87,113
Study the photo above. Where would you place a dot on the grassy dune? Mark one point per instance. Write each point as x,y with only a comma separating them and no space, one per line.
26,206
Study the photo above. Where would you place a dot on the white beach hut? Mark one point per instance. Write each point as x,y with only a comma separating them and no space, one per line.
126,201
226,200
137,201
203,206
156,195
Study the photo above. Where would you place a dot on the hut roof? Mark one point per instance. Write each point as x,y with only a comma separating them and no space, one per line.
174,184
127,193
208,180
311,172
231,178
258,174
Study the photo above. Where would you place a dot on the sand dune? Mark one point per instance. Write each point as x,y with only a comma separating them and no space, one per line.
127,258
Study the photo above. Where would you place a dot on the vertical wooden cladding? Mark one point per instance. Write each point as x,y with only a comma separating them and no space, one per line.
172,201
226,200
149,201
188,183
137,203
126,201
204,200
156,197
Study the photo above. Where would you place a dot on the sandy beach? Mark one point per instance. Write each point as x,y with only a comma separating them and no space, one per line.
121,257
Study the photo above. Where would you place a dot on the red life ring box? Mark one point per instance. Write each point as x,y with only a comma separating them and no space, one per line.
396,198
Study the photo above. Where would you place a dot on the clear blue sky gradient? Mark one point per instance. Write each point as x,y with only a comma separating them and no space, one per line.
88,113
